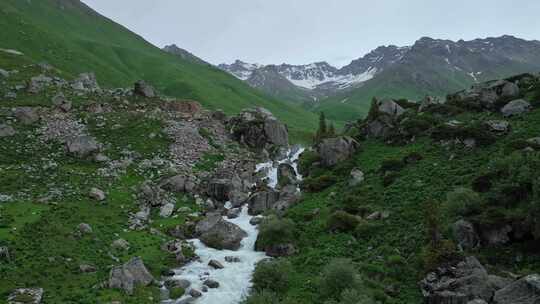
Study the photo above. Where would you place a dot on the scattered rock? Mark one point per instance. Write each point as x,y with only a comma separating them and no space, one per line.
82,146
238,198
335,150
485,95
498,126
211,283
143,89
120,244
86,268
195,293
97,194
61,102
465,235
516,107
234,213
232,259
4,73
174,282
85,228
262,201
494,235
6,130
130,275
86,82
215,264
357,177
26,296
38,83
26,115
188,107
280,250
219,189
166,210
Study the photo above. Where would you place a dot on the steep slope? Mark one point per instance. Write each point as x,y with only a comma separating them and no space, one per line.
74,38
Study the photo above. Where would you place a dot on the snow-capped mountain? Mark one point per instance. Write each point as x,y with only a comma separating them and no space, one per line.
429,65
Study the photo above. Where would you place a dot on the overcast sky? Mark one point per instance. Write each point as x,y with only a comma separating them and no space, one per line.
305,31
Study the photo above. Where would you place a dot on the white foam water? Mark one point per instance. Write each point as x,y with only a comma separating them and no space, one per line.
235,278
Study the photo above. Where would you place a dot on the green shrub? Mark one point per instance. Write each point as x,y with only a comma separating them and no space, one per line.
366,229
444,109
272,275
434,256
319,183
463,202
338,276
306,160
474,131
416,125
406,104
177,292
262,297
391,165
275,231
353,296
342,221
389,178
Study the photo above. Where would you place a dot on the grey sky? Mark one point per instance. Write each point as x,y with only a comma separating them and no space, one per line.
304,31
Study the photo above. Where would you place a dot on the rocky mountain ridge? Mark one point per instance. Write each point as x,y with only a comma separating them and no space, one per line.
429,65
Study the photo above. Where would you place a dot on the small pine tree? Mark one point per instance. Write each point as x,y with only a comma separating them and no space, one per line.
331,130
322,131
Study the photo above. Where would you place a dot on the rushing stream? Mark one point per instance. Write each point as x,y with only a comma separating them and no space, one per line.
235,278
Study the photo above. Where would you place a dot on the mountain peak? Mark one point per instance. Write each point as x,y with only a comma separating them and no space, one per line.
182,53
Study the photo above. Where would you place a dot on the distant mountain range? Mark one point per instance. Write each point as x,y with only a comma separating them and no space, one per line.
429,66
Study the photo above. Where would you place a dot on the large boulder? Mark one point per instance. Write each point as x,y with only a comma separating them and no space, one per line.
217,233
335,150
262,201
38,83
179,184
459,283
61,102
516,107
82,146
382,119
130,275
523,291
85,82
143,89
258,128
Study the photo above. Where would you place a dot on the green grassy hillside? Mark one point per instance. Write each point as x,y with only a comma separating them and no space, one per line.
75,39
419,184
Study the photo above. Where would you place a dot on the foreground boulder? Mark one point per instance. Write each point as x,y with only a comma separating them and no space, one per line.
217,233
258,128
219,189
465,235
130,275
460,283
86,82
523,291
26,296
335,150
